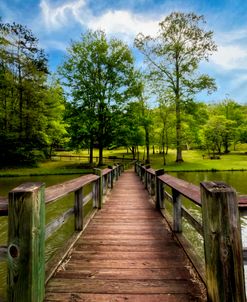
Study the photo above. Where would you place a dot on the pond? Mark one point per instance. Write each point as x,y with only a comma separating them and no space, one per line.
53,210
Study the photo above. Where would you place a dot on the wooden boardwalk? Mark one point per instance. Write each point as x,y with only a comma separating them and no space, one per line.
127,253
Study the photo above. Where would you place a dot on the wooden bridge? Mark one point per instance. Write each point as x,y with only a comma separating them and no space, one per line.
130,250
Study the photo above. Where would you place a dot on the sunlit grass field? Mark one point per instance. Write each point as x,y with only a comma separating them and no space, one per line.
193,161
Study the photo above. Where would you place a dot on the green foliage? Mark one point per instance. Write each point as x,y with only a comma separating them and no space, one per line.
28,107
101,77
173,58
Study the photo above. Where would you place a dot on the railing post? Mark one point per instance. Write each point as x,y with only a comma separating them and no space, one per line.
78,206
177,211
146,180
222,243
159,190
142,172
26,244
111,176
100,187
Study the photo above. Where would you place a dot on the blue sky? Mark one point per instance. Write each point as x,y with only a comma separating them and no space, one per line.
56,22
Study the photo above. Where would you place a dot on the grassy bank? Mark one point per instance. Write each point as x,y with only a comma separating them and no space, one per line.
46,168
193,161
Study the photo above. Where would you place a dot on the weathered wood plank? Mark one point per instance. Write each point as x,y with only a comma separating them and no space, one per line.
55,192
26,243
127,252
187,189
222,243
168,252
120,286
54,225
192,220
80,297
172,273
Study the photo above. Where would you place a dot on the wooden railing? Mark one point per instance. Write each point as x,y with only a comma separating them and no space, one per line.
27,231
222,268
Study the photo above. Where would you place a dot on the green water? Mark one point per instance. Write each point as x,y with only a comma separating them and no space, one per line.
53,210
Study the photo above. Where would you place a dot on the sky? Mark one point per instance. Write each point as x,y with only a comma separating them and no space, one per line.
58,22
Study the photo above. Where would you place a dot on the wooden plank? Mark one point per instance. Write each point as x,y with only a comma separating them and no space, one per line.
187,189
222,243
174,273
120,286
26,243
127,252
54,225
177,211
58,191
197,225
78,210
95,255
102,297
106,171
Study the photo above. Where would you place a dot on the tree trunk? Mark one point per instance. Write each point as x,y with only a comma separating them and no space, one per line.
91,151
179,158
100,155
133,152
153,150
147,145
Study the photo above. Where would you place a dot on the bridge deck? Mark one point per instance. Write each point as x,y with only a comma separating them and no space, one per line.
127,253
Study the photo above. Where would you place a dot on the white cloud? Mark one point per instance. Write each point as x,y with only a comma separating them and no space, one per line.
122,22
58,16
231,57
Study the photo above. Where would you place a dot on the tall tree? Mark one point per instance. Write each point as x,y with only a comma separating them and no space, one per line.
23,70
100,75
173,58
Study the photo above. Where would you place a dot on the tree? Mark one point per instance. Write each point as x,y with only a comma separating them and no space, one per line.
173,58
23,72
101,77
31,109
235,117
130,133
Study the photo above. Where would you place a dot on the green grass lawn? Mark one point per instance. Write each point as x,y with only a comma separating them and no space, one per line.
193,161
47,168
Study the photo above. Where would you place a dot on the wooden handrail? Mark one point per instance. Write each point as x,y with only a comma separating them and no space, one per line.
26,200
56,192
222,285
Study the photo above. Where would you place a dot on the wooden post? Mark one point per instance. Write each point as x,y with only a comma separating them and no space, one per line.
95,193
142,172
110,183
222,243
177,211
146,176
26,244
78,206
159,190
100,187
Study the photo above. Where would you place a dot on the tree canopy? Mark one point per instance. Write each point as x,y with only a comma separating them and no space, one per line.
101,77
173,58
